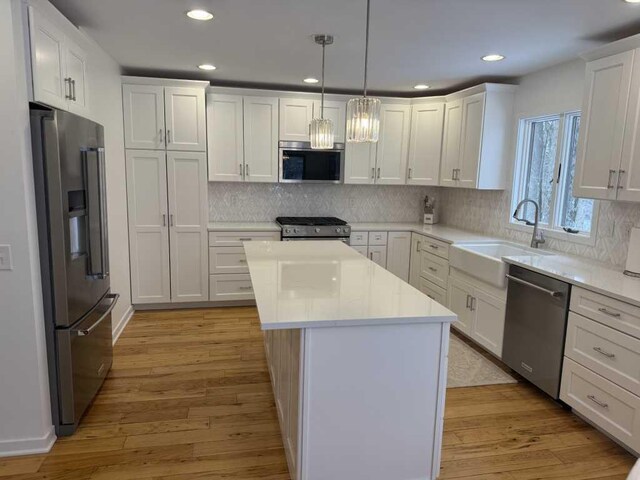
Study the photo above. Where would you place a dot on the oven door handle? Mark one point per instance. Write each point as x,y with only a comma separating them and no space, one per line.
552,293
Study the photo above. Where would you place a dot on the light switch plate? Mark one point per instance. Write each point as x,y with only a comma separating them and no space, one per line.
5,257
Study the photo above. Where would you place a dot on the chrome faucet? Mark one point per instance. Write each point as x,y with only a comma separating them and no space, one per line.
538,238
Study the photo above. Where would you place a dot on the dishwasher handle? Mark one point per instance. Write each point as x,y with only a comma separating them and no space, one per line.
552,293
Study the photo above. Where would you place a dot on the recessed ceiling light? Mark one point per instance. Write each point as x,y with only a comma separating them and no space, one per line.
421,86
199,14
632,1
206,66
310,80
493,57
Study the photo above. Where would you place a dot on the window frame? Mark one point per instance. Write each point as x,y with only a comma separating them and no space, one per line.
522,155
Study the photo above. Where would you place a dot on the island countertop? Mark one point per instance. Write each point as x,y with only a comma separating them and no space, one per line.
326,283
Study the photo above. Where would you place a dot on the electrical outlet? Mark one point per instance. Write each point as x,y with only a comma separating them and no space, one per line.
5,257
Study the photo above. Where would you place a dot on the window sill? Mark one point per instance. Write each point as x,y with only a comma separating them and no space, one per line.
578,238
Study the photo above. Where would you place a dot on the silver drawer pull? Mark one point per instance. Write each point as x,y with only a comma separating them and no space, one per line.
242,260
432,269
435,247
608,312
245,288
602,352
245,239
597,402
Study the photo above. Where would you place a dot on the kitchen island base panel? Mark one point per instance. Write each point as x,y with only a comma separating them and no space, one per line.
362,402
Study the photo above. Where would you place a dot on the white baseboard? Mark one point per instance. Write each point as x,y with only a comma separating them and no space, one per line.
28,446
119,328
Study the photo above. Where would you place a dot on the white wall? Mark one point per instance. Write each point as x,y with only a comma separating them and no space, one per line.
25,416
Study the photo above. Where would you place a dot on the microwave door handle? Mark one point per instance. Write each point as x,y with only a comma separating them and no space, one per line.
93,172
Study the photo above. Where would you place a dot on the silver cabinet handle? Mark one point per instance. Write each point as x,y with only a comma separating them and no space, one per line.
242,260
87,331
378,172
171,219
373,172
602,352
410,172
435,247
245,288
67,83
418,245
164,219
597,402
553,293
620,174
609,312
432,269
472,307
161,136
168,136
370,255
468,301
73,85
241,170
245,239
610,180
246,170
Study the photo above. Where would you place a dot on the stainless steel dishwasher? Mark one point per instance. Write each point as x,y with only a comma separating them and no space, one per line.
535,327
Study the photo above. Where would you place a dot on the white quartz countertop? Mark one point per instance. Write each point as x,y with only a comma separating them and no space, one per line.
439,232
583,273
243,227
321,284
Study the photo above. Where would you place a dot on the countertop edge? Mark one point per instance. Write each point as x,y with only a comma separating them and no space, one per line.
368,322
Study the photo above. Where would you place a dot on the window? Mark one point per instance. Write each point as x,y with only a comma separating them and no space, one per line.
544,172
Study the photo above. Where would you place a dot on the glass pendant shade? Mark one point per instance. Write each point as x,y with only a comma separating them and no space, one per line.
321,133
363,119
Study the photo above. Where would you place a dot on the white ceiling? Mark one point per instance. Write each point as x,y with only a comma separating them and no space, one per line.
269,42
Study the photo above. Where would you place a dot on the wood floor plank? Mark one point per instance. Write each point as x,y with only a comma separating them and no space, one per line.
189,398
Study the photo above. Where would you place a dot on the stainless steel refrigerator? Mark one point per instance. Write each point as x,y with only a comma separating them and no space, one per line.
69,172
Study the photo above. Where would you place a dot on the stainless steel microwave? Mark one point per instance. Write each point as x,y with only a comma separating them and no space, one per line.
299,163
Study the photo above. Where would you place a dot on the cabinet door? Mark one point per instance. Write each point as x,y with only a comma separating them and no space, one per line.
185,119
261,139
602,128
225,138
378,254
47,61
188,215
472,124
398,254
143,107
451,143
360,162
416,259
76,63
629,175
460,295
425,144
393,145
148,226
336,112
295,116
488,327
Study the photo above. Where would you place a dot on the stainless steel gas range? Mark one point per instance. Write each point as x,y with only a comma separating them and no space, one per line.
314,228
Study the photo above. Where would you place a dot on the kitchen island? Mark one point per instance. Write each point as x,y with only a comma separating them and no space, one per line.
358,362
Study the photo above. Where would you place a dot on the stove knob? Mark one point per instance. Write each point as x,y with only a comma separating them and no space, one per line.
338,230
317,230
295,230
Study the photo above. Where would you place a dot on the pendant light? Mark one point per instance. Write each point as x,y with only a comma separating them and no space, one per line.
322,128
363,113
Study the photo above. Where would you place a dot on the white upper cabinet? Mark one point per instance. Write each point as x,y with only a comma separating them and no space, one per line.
477,128
336,112
393,145
185,119
261,139
360,162
163,117
607,157
143,107
58,66
425,143
188,217
225,138
295,117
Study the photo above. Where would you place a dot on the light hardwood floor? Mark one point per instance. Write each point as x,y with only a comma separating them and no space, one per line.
189,398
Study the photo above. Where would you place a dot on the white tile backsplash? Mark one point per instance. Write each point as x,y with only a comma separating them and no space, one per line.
487,212
256,202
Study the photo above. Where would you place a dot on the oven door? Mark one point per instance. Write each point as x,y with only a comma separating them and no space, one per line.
299,163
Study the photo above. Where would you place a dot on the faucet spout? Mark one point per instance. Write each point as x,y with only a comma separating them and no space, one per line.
537,238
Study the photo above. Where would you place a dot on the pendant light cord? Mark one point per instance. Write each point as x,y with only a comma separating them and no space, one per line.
366,48
324,44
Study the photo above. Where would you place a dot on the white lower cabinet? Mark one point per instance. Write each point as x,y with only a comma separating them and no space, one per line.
229,277
390,250
167,203
429,266
433,291
481,310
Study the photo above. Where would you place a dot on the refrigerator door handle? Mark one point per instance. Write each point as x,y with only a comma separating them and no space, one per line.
95,185
82,332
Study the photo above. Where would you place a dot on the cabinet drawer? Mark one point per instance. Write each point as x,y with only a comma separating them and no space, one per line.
377,238
359,238
230,287
434,268
614,355
235,239
437,247
227,260
612,408
433,291
614,313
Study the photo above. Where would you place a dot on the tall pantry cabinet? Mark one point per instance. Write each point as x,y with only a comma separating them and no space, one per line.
166,164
